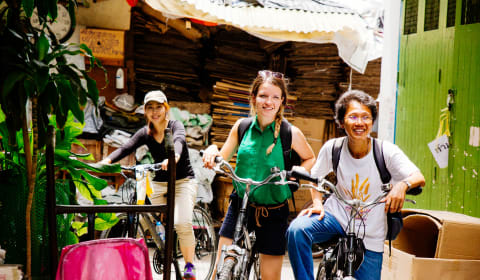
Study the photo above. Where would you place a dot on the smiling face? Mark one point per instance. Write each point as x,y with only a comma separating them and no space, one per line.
155,112
358,121
267,101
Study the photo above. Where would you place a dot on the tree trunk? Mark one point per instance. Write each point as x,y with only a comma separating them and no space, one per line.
31,159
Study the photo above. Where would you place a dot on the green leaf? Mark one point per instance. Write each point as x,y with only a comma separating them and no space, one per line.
108,217
29,87
87,156
82,231
101,224
10,82
42,46
83,190
77,225
92,88
71,10
69,99
71,238
28,6
100,202
98,183
52,9
49,98
41,77
59,52
95,193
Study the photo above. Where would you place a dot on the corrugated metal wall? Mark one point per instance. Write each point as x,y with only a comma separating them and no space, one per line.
431,63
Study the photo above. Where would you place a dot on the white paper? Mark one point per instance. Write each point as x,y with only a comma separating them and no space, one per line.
474,136
439,148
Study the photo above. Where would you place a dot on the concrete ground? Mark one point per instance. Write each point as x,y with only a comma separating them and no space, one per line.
287,273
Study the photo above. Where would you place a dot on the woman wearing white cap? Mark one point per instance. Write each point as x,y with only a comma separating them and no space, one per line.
156,114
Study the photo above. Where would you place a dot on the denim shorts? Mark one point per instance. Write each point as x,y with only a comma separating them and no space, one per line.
270,230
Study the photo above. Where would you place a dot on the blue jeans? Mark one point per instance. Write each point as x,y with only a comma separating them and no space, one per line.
304,231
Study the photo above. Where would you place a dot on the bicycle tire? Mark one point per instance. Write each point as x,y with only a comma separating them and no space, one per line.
205,244
227,270
321,273
254,266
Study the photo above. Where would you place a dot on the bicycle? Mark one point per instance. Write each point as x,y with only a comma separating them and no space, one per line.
343,255
240,259
144,226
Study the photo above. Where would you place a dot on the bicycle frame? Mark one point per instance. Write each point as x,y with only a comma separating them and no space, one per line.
242,255
348,270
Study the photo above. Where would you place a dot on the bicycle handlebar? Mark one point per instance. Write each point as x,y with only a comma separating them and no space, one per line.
354,202
145,167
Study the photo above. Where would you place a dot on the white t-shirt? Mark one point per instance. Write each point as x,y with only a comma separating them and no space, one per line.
360,178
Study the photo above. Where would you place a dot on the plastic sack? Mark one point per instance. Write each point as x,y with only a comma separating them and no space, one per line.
105,259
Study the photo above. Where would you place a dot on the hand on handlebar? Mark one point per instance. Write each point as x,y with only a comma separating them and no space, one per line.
395,198
209,156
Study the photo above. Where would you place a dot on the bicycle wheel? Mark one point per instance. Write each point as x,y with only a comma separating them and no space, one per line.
227,270
321,273
253,268
205,244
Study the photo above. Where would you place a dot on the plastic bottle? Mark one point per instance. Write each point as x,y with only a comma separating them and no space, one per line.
160,230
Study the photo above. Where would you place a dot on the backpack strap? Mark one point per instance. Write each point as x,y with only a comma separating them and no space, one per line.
242,128
290,157
380,161
386,177
286,138
336,151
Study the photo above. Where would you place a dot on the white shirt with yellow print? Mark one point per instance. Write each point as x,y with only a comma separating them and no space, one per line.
360,178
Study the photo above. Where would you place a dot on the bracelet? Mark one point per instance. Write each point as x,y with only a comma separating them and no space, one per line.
409,186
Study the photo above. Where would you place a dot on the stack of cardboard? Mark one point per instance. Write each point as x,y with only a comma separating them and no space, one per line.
230,102
165,59
317,71
235,56
369,82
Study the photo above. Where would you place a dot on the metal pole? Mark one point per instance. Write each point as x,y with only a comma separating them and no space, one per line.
51,215
169,147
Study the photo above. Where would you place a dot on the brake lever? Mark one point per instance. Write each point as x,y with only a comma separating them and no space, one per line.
410,200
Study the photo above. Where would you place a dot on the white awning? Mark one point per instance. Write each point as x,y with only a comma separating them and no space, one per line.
325,24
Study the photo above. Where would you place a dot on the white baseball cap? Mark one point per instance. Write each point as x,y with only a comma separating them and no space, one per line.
157,96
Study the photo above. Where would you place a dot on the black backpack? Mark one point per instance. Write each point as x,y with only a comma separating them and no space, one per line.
394,220
290,157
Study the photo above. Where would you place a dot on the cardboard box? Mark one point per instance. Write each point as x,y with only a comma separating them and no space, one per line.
434,245
302,199
313,129
222,188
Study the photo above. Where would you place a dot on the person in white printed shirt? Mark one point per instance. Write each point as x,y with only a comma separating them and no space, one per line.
358,176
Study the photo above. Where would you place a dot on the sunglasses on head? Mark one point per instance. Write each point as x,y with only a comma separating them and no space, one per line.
268,73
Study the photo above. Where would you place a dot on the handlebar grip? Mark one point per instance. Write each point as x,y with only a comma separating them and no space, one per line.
415,191
301,175
218,159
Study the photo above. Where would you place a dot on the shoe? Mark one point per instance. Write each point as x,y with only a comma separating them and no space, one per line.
189,272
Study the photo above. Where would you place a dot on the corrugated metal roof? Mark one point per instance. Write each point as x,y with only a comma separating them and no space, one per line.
294,16
318,6
297,20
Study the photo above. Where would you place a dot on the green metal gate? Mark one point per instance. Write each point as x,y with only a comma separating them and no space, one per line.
440,53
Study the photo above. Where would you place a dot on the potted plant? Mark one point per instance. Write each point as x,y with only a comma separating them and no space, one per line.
35,70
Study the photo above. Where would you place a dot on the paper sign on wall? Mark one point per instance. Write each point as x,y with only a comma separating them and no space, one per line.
474,136
439,148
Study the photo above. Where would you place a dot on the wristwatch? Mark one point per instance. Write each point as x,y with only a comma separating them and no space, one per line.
409,186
